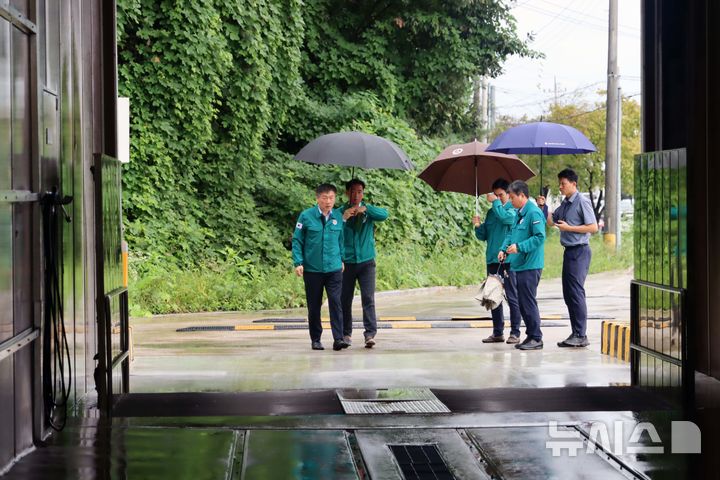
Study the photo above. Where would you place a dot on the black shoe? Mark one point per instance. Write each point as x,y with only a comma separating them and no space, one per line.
574,341
531,344
339,345
564,342
317,346
527,339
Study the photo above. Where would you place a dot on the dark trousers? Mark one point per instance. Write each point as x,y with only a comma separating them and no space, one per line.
576,263
364,274
527,283
314,284
511,292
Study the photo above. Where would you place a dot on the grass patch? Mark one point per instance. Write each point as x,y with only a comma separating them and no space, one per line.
226,287
604,258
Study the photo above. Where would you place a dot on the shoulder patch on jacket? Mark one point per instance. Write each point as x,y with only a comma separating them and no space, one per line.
299,226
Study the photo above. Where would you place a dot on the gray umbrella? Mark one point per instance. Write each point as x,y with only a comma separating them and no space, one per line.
355,149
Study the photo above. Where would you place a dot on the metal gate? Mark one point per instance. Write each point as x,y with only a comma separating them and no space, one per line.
113,368
660,359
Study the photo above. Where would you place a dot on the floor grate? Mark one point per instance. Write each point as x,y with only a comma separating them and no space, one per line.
390,401
421,462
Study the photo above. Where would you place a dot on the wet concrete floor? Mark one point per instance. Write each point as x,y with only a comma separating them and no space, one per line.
501,445
497,444
171,361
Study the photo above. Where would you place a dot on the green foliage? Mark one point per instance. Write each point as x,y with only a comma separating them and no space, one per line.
224,92
238,285
417,56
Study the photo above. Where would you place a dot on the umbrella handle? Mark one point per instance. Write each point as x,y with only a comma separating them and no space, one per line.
541,172
477,199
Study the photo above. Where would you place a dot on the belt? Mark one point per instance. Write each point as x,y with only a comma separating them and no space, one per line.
576,246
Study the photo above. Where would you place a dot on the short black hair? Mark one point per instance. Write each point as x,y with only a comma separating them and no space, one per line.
500,183
355,181
518,186
325,188
569,175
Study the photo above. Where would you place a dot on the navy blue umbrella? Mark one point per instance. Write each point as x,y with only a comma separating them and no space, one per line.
542,138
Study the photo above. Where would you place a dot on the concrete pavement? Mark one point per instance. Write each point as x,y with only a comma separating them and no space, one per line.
170,361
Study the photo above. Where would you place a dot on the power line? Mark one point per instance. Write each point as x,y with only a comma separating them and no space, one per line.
602,107
538,102
587,112
557,15
573,20
602,20
576,16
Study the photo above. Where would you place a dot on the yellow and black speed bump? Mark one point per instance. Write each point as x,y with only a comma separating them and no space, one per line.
302,325
615,340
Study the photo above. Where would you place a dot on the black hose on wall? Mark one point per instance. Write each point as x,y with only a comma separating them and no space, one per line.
57,365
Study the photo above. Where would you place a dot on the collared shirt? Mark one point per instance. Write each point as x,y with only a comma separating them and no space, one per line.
575,211
327,217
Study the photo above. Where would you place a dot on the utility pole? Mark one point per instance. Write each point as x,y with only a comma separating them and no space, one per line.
477,108
491,111
612,158
619,170
484,109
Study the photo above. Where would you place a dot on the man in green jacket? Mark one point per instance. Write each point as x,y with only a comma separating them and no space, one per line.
359,259
317,249
525,246
498,221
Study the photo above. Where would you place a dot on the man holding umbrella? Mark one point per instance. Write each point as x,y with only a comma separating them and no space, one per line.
359,259
498,221
317,249
576,220
525,246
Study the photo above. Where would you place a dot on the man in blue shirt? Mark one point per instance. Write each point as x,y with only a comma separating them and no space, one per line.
359,259
525,247
576,220
498,221
317,249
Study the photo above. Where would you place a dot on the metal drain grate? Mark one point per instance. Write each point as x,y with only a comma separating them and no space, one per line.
421,462
389,401
410,406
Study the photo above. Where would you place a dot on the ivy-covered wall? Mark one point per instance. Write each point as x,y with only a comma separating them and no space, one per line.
223,93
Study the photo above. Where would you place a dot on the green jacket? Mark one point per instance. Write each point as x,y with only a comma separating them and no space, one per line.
528,233
498,222
316,245
360,233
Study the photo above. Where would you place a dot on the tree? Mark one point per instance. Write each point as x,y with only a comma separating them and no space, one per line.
224,92
417,56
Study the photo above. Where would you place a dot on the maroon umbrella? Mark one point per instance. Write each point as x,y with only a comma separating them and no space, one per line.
468,168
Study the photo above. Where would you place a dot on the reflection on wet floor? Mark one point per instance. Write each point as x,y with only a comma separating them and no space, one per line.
509,445
274,412
239,361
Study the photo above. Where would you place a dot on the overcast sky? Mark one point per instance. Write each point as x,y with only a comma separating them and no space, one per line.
573,36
